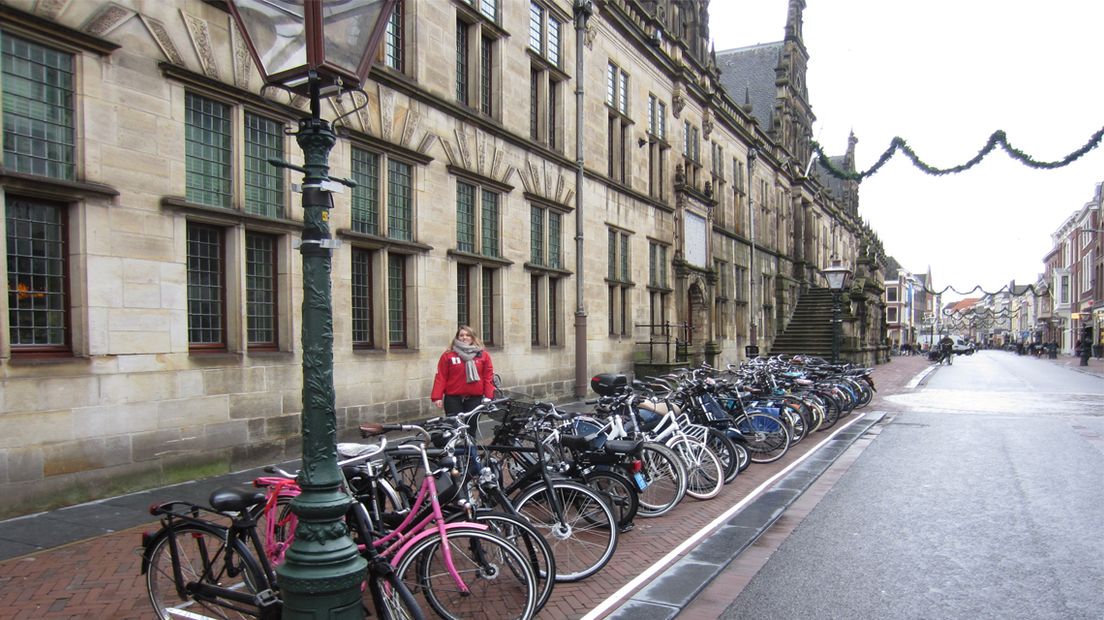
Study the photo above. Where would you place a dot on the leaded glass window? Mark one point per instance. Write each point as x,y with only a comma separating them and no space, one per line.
400,210
206,286
396,300
465,217
365,205
38,87
38,300
362,299
260,290
207,151
264,183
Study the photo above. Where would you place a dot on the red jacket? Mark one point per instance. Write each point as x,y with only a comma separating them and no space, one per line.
452,379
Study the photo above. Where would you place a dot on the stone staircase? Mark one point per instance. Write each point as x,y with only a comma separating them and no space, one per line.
810,329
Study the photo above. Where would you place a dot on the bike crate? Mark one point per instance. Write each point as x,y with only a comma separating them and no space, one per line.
609,384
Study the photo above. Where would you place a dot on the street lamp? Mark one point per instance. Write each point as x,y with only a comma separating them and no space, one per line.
316,49
838,277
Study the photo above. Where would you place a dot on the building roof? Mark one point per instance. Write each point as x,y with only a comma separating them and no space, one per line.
748,75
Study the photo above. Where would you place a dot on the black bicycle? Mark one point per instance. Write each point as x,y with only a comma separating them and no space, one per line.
198,566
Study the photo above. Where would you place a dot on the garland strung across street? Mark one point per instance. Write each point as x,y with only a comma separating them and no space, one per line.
998,138
968,313
1042,291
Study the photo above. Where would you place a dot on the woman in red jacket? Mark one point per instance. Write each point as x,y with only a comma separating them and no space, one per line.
465,375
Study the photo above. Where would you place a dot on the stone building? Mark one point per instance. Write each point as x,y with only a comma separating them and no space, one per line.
150,331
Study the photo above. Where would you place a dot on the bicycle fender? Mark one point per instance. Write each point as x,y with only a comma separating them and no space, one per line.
461,525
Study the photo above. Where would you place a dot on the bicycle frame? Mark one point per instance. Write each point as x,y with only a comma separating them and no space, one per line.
267,604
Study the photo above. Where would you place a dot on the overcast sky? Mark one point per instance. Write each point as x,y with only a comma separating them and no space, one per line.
944,75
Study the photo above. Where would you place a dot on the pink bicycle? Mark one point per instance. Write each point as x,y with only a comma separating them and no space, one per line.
459,569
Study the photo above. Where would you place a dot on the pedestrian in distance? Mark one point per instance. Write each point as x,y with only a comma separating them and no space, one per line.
465,374
946,350
1086,344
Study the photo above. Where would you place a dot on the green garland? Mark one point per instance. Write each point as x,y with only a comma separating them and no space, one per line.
997,139
1042,291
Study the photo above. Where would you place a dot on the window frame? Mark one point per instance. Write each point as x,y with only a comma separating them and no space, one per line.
222,343
619,281
64,348
273,263
478,67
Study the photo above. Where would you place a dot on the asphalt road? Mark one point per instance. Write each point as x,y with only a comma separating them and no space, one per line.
981,497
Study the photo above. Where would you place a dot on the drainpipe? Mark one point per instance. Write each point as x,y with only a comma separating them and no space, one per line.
583,11
753,313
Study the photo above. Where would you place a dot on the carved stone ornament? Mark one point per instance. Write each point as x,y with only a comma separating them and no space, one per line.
163,39
201,41
678,101
107,19
707,124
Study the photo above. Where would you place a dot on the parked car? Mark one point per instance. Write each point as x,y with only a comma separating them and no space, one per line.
962,346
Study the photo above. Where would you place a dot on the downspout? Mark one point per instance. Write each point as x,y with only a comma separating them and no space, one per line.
753,313
583,11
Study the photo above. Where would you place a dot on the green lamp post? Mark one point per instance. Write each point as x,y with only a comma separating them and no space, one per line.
315,49
838,277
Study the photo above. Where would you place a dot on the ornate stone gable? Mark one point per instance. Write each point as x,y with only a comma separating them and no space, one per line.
472,151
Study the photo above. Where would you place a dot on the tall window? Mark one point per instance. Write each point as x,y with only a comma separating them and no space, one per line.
206,287
487,305
362,298
657,148
545,77
545,263
463,294
718,177
396,301
740,200
208,156
38,269
619,123
215,172
398,187
400,211
394,39
691,153
260,290
721,298
891,294
264,183
619,283
477,232
478,240
477,51
659,290
39,135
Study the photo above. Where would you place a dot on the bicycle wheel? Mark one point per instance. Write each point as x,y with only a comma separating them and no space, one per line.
704,472
722,446
391,599
767,437
742,456
583,535
532,545
193,543
621,495
499,581
665,479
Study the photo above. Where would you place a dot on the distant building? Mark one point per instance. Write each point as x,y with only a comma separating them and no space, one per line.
1074,272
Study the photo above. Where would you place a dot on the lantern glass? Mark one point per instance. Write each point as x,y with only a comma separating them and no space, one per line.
290,40
837,275
277,31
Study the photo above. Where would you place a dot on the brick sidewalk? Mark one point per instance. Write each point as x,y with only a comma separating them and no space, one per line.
98,578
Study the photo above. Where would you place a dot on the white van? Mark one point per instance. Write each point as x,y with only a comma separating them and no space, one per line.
962,346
